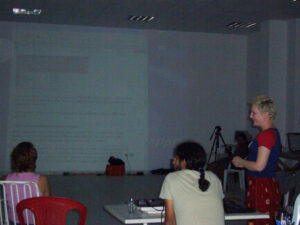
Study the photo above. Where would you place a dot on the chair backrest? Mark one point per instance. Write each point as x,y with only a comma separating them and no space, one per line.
293,141
296,212
51,210
11,193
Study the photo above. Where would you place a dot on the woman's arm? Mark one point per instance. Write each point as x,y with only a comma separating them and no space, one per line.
170,218
260,163
44,185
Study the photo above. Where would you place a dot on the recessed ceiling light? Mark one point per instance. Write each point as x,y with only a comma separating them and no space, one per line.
141,18
18,11
245,25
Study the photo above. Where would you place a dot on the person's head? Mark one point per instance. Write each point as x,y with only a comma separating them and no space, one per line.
241,138
191,155
23,157
263,110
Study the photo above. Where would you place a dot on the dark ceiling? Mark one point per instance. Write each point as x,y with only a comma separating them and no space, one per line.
179,15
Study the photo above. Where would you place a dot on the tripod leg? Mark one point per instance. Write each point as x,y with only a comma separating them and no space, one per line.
212,149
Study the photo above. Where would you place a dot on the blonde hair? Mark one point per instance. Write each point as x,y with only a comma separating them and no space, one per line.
265,104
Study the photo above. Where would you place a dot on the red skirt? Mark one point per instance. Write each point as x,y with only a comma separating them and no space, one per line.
264,196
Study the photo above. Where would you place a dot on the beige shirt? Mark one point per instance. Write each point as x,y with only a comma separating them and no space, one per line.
191,205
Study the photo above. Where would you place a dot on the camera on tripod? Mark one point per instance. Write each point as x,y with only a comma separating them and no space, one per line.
214,148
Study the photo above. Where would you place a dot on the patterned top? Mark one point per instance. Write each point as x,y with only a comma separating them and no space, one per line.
12,202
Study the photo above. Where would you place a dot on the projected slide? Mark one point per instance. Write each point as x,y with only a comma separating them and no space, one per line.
79,99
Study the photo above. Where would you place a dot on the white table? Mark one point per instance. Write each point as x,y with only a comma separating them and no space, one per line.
121,213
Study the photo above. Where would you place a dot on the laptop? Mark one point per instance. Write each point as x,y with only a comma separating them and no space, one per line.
293,141
150,206
230,206
156,206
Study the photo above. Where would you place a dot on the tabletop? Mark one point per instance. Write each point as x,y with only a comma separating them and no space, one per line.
120,212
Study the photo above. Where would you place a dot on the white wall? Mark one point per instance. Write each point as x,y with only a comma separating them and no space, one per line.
196,81
296,100
273,69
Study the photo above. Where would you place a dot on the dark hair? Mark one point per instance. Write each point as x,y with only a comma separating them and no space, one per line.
240,134
23,157
195,157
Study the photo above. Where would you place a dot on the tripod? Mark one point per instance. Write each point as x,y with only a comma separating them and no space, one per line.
215,145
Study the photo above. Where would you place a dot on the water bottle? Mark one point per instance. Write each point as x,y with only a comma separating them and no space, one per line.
131,206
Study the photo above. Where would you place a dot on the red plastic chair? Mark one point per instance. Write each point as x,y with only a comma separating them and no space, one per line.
50,210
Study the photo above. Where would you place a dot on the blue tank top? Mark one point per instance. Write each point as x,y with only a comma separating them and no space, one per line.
272,163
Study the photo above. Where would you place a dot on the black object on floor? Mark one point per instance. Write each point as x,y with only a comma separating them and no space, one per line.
231,206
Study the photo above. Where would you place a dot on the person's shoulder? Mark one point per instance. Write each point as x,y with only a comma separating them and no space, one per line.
268,132
43,178
31,175
170,178
9,177
209,173
267,138
211,176
175,175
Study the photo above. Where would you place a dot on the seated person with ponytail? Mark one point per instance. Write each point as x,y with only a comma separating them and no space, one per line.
192,195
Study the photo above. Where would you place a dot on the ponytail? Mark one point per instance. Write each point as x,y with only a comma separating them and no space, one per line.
203,183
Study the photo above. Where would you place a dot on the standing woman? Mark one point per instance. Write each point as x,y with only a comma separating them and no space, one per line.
263,192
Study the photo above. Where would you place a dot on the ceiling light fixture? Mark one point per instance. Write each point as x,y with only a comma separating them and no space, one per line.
18,11
241,24
141,18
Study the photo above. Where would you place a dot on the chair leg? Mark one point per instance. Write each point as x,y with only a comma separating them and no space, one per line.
286,199
225,180
242,180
